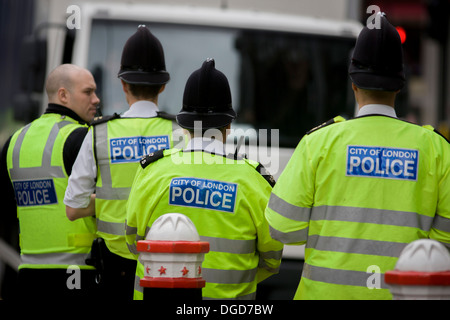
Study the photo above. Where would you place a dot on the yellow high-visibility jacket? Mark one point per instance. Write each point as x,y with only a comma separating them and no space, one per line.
225,199
357,192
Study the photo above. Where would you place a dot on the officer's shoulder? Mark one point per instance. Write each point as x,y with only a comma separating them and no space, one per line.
165,115
261,170
431,128
155,156
104,119
326,124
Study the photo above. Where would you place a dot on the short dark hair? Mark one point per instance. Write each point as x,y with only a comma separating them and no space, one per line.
144,91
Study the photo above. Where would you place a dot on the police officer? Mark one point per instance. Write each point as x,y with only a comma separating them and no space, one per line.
358,191
104,171
38,160
224,196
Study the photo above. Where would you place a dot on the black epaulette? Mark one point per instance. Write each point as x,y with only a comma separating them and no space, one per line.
151,157
166,115
325,124
103,119
266,174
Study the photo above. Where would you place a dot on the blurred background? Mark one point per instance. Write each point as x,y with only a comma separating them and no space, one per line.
269,62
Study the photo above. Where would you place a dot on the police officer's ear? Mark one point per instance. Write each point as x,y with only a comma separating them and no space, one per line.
124,86
162,88
63,95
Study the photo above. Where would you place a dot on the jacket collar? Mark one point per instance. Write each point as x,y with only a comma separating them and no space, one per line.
379,109
206,144
64,111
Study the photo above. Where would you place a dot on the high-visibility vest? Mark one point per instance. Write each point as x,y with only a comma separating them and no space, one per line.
119,144
36,168
225,199
357,192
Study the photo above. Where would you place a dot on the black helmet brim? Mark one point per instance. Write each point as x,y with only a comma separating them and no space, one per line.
144,78
374,81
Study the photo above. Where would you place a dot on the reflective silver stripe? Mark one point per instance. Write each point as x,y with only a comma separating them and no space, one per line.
242,247
288,210
376,216
106,191
361,246
271,254
137,284
289,237
46,169
351,214
228,276
129,230
132,248
219,244
341,277
16,150
441,223
230,245
354,214
116,228
54,258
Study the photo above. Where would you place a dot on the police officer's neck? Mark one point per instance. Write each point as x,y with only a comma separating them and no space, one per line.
131,100
364,97
134,93
217,134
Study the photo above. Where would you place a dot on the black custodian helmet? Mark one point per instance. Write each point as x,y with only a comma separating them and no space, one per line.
207,98
377,61
143,60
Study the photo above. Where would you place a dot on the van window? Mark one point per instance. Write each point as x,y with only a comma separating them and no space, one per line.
279,80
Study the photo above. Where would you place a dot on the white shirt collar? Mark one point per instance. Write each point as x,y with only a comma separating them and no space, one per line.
382,109
206,144
141,109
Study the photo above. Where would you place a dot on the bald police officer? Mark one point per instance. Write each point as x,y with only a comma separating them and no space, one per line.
38,160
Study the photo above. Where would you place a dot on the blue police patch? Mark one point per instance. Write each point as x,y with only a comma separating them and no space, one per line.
131,149
382,162
35,192
203,193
